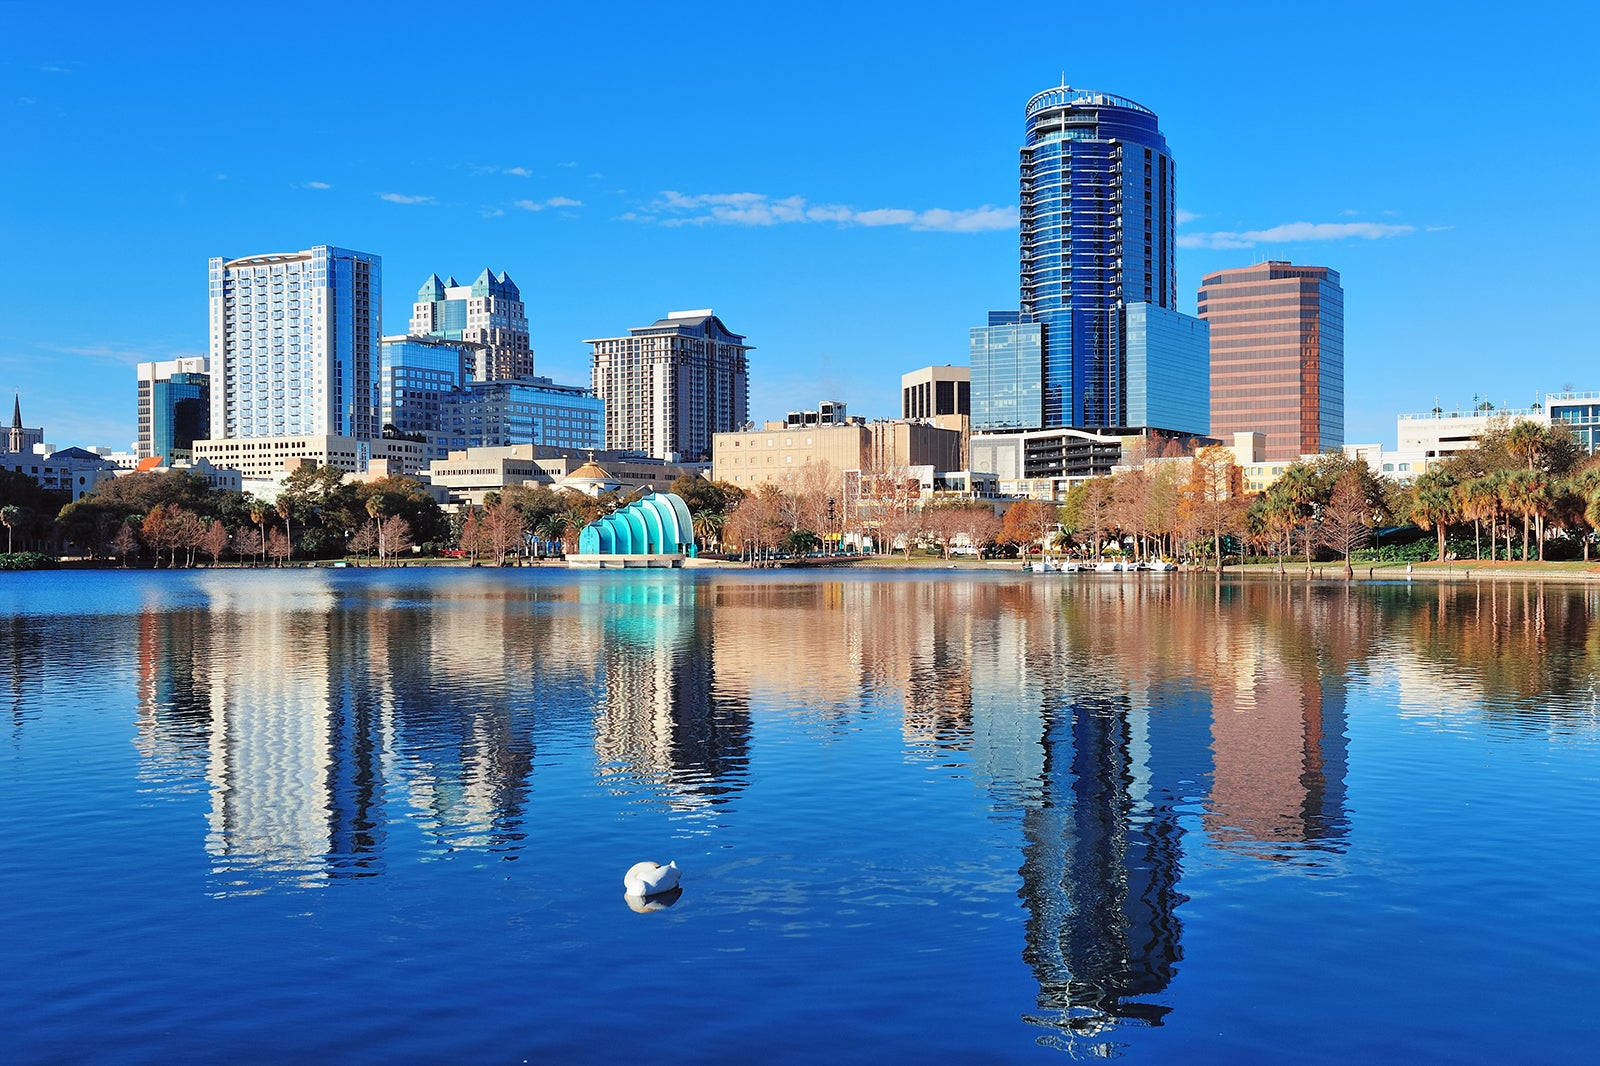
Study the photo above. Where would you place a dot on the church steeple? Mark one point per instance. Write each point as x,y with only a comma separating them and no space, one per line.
16,410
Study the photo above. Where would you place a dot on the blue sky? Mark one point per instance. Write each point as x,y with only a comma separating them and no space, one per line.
837,180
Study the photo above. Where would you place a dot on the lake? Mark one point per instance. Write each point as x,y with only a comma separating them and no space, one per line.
371,815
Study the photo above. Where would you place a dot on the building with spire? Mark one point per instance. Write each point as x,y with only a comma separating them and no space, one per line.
489,313
21,439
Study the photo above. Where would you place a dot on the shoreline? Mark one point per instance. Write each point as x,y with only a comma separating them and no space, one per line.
1576,572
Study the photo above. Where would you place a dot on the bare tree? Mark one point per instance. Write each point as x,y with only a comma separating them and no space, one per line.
216,541
277,546
397,534
125,543
1214,494
1347,521
502,530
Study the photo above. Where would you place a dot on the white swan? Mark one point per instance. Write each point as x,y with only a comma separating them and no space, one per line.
650,878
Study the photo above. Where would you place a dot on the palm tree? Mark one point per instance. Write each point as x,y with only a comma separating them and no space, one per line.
375,504
708,526
1480,499
1528,493
1302,489
288,534
1434,505
10,515
1526,441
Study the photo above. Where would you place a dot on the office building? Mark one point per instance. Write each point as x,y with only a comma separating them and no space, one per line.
417,374
669,386
936,392
1277,355
1098,280
493,414
489,313
174,397
1007,370
1044,464
294,344
1579,412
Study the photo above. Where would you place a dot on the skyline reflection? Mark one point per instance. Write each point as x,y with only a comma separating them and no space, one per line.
1123,723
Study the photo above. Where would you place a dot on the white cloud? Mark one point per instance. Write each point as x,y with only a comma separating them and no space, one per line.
554,201
1295,233
1436,229
569,164
316,185
520,172
673,208
402,198
492,212
1183,216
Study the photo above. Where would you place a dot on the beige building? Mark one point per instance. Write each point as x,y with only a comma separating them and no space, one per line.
265,458
773,456
941,395
466,477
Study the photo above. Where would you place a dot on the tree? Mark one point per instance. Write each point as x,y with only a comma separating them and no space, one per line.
1348,519
285,509
216,541
503,530
363,542
1302,490
396,535
10,515
1027,522
1434,505
125,542
1528,493
1214,491
277,545
979,524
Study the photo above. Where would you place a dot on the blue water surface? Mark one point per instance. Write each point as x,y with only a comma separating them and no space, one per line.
384,816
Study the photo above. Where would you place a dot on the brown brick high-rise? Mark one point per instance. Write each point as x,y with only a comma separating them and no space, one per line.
1277,356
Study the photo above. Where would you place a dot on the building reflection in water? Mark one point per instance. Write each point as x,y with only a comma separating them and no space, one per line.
663,719
1122,723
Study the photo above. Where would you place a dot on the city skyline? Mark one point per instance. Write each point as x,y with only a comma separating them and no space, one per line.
901,252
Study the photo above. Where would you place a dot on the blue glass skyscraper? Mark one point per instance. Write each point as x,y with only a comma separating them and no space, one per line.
1097,220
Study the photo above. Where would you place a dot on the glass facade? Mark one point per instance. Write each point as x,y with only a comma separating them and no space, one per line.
490,414
1007,358
294,344
1168,370
418,373
1580,413
1277,356
174,402
1097,222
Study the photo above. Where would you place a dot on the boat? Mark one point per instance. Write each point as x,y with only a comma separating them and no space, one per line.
1162,566
1107,566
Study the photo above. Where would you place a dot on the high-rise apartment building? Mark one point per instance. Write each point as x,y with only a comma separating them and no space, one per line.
1097,221
294,344
668,386
174,397
1277,356
488,312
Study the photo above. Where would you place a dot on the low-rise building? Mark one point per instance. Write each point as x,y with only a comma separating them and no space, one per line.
265,458
1044,464
467,476
71,470
749,459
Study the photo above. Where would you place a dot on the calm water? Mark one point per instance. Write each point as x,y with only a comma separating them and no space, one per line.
385,816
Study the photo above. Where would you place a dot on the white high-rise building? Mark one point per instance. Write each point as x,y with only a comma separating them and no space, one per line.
669,386
294,344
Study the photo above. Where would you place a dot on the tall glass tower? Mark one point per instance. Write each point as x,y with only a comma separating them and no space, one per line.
1097,236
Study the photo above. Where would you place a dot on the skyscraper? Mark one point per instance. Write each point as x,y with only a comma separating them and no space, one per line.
1097,220
1277,356
668,386
294,344
489,312
174,398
